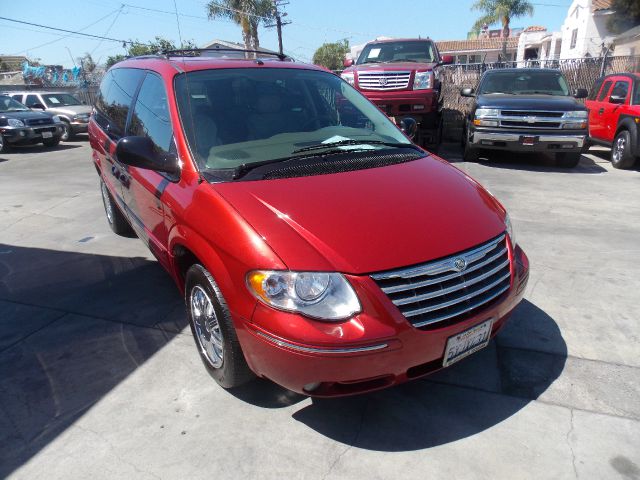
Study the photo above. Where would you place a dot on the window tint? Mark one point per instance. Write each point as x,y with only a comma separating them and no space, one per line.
605,90
32,100
150,117
116,93
17,97
620,89
595,89
636,93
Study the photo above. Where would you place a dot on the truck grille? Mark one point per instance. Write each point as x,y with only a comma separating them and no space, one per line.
530,119
383,80
451,287
37,121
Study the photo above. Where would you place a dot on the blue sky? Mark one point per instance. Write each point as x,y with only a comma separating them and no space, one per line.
314,22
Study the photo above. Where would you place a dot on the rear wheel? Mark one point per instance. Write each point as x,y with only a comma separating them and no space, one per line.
115,218
213,330
621,156
567,160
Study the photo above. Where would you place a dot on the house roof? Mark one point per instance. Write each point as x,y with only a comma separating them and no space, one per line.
479,44
597,5
535,28
232,45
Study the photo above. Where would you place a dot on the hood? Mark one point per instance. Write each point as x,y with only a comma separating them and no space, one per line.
391,66
368,220
70,110
25,115
529,102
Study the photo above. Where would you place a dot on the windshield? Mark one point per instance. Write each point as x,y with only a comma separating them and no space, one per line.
524,83
60,100
8,104
389,52
235,117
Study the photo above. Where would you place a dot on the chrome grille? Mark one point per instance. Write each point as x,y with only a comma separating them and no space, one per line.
530,119
383,80
440,290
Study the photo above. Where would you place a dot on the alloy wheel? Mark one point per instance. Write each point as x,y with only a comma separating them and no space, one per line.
618,149
207,327
66,130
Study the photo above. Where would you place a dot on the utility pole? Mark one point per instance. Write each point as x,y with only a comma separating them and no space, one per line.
279,23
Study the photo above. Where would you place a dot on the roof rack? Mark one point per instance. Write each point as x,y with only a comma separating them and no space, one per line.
188,51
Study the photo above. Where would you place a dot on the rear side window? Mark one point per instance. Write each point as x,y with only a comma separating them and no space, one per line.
150,117
620,89
17,97
116,93
595,89
32,100
604,91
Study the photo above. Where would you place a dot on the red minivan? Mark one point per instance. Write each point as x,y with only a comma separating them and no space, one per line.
315,245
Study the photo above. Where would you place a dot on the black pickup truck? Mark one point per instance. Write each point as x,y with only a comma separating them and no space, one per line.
526,110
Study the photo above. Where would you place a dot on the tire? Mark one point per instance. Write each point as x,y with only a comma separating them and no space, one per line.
115,218
621,156
51,142
4,145
213,331
67,132
567,160
469,154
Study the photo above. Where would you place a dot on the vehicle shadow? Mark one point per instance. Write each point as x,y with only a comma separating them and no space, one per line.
72,327
463,400
25,149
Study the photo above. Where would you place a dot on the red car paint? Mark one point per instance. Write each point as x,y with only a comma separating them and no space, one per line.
356,223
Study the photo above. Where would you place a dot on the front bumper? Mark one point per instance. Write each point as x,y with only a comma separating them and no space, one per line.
404,102
29,135
79,126
528,141
376,349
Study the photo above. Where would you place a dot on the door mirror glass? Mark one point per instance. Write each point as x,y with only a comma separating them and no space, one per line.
580,93
141,152
409,127
467,92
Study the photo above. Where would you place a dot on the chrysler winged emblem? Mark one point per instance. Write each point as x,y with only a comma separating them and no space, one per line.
383,81
460,264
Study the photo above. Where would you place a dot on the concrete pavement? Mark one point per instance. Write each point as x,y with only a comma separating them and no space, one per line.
99,376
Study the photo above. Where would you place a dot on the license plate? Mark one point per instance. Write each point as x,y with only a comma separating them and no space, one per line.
528,140
47,134
467,342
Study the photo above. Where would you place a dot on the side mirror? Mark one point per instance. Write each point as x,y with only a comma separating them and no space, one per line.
580,93
141,152
38,106
467,92
617,99
348,62
447,60
409,127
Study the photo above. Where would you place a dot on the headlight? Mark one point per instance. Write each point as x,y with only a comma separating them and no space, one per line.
482,116
349,77
510,232
577,114
487,112
320,295
83,117
56,119
422,81
14,122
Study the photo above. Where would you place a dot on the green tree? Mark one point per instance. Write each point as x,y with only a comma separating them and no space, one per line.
502,11
626,15
135,48
248,14
331,55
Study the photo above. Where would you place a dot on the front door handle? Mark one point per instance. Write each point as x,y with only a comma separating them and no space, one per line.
601,111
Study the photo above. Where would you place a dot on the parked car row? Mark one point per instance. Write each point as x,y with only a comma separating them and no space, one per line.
29,118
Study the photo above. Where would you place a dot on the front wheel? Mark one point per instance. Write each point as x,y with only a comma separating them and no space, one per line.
567,160
469,154
213,330
67,133
621,156
115,218
4,145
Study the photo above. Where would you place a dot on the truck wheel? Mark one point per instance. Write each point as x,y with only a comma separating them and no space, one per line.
213,330
115,218
51,142
621,156
567,160
469,154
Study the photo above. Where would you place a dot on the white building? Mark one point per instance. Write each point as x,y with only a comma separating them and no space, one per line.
536,43
584,31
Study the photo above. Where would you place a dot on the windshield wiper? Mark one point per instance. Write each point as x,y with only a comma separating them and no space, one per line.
341,143
401,60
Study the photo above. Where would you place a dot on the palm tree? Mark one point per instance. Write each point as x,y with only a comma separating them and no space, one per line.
246,13
501,11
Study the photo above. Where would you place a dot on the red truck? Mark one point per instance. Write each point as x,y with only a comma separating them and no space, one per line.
399,77
614,117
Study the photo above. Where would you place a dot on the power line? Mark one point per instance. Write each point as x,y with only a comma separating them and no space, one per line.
108,29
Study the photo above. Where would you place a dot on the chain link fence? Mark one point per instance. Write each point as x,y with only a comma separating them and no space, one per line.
580,73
